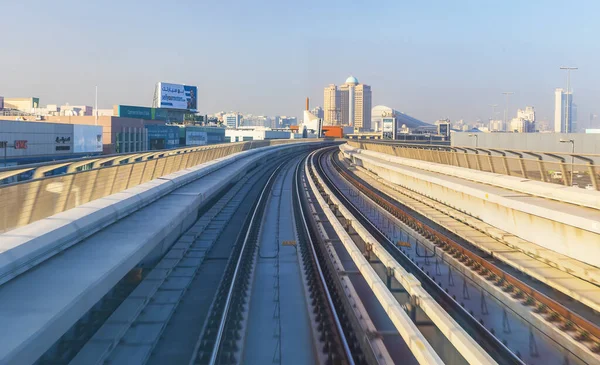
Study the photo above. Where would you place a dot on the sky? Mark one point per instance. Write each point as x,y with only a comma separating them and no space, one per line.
429,59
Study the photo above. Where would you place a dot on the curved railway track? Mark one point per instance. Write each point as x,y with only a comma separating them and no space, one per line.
500,353
557,315
219,342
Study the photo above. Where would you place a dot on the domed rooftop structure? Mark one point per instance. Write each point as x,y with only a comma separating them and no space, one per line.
352,80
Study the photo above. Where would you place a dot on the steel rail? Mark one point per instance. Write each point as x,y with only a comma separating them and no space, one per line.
260,206
553,310
324,286
501,353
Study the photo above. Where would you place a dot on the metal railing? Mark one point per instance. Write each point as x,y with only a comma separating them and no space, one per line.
42,196
553,167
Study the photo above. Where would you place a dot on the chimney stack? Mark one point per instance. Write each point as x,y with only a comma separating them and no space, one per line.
307,103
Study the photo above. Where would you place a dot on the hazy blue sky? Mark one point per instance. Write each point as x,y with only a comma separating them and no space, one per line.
430,59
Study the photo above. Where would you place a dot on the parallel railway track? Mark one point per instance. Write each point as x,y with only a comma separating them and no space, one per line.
556,314
219,342
477,330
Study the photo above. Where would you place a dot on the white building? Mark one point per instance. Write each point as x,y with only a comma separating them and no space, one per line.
261,133
232,120
518,125
527,114
563,104
311,124
496,125
76,110
379,112
524,122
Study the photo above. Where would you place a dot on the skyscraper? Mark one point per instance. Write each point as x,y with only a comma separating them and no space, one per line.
362,107
350,104
561,98
331,104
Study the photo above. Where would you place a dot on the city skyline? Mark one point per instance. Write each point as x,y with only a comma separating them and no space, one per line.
461,56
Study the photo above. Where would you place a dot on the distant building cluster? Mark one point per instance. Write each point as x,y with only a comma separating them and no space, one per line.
238,120
33,133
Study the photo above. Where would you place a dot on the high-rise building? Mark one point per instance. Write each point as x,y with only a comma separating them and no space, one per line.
286,121
232,120
563,104
331,105
362,107
518,125
344,92
350,104
524,122
527,114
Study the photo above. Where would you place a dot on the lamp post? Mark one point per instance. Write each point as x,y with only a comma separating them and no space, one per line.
572,142
506,94
476,139
568,95
493,113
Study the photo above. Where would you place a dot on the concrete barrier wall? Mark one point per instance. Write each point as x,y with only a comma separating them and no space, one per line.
27,246
29,201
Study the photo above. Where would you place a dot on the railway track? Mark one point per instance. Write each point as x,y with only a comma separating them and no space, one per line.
337,348
217,344
191,306
223,340
517,291
455,345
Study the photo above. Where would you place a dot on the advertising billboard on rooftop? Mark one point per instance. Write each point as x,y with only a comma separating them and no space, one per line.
128,111
177,96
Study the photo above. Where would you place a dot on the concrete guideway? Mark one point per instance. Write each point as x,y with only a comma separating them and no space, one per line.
519,326
560,227
278,327
463,343
421,349
555,329
37,304
361,314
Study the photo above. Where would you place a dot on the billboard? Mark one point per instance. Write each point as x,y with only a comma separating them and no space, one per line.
87,138
141,112
177,96
388,127
195,138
